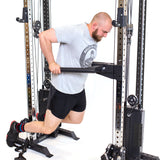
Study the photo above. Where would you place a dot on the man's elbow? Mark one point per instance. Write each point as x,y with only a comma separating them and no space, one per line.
43,38
48,35
41,35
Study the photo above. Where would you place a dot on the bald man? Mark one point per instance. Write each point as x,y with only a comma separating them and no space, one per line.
67,100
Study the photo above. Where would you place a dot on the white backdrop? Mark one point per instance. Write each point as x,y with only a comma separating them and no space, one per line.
96,130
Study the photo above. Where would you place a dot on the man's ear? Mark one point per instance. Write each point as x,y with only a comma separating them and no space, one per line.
94,26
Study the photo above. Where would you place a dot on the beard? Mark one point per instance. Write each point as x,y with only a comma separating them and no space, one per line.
96,37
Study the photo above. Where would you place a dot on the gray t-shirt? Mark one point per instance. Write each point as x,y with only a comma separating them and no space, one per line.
77,49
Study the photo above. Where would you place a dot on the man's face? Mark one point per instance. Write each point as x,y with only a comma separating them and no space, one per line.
101,32
95,36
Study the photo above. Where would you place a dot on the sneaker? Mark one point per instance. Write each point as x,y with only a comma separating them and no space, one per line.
24,121
12,134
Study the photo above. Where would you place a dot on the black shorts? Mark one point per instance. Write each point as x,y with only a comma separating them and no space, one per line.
61,104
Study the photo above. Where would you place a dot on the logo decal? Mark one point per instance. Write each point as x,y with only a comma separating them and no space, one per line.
88,55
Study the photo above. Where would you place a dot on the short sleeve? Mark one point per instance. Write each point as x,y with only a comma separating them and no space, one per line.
65,34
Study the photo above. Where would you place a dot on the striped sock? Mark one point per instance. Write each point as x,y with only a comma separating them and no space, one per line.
20,127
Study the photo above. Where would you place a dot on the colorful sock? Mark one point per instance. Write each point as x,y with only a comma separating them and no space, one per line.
20,126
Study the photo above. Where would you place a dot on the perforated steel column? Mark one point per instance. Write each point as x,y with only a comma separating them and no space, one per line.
141,51
121,85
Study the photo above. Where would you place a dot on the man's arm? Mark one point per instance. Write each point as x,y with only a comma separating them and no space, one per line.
46,39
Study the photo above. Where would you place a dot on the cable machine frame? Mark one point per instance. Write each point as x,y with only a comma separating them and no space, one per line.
128,109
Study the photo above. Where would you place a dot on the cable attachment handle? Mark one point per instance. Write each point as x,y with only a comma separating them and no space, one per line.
24,16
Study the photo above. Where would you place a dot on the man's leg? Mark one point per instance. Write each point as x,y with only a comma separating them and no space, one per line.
74,117
51,122
47,126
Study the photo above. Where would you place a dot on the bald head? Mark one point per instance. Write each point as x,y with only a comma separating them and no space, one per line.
101,18
100,26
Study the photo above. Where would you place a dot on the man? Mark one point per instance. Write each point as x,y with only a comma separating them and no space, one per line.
66,101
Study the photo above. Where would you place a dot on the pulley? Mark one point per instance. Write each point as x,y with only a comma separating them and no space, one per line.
113,152
132,100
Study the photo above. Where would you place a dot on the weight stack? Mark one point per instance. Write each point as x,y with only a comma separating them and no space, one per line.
133,133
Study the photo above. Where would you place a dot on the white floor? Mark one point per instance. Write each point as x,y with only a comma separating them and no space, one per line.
90,146
94,138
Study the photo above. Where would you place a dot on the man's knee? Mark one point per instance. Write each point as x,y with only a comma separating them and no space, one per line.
51,122
49,130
